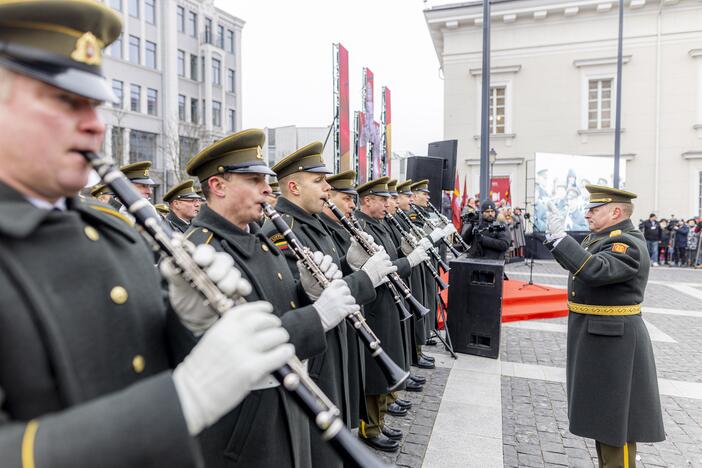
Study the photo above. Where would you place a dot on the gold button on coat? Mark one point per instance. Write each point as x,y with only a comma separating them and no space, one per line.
280,276
91,233
119,295
138,363
292,304
264,247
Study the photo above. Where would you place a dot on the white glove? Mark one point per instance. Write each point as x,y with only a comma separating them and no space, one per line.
405,247
428,228
436,235
356,256
335,303
417,256
449,229
555,228
425,243
187,303
309,283
378,267
244,346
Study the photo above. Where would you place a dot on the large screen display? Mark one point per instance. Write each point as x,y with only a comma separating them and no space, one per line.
561,179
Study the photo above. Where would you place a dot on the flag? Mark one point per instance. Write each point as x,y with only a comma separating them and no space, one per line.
464,202
456,205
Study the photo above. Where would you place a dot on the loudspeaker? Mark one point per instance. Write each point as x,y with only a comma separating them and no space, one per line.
447,151
423,167
475,306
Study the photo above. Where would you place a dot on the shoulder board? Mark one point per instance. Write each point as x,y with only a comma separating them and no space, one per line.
413,216
615,233
199,235
110,211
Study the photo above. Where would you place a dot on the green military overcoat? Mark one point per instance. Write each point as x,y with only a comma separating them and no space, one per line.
267,429
611,372
86,342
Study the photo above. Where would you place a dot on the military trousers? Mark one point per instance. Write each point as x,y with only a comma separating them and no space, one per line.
610,456
377,408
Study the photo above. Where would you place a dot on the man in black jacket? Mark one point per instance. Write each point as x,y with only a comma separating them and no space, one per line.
652,234
487,239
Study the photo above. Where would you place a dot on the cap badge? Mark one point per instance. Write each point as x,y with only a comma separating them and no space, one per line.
259,154
87,50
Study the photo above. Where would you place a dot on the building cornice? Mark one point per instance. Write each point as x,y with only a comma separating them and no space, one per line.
692,155
497,70
593,62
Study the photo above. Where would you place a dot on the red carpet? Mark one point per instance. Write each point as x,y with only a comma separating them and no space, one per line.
522,301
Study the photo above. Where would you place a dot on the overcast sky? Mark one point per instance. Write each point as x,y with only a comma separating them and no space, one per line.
287,63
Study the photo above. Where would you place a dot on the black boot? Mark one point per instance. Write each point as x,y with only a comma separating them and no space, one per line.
392,433
424,364
396,410
412,386
406,404
382,443
418,378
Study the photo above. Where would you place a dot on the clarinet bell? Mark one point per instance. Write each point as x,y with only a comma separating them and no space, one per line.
394,374
440,282
444,266
404,313
418,309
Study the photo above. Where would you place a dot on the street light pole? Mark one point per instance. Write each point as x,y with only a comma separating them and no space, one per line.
618,116
485,106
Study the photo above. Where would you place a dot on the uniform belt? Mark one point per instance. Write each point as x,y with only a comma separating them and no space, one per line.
604,309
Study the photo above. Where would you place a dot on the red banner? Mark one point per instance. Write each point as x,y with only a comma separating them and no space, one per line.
361,154
500,190
456,205
344,127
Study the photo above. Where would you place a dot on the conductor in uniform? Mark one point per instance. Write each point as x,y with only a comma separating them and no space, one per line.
90,352
611,372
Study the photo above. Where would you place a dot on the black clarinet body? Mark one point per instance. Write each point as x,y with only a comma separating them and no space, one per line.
393,373
372,248
413,242
292,376
420,234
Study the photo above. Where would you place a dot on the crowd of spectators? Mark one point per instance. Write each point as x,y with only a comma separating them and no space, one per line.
673,241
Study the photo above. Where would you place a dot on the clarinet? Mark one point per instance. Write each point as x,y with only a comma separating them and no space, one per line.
372,248
445,220
430,223
393,373
419,233
413,242
292,376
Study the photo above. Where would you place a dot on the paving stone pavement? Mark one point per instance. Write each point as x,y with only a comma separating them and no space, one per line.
535,422
418,423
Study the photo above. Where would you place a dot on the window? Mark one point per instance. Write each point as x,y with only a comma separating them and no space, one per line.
193,111
187,147
181,108
230,41
232,120
116,4
497,110
220,36
193,67
180,18
134,8
118,91
181,63
216,72
150,55
134,49
192,24
115,49
208,30
231,81
118,145
150,11
151,101
135,98
599,104
216,114
142,146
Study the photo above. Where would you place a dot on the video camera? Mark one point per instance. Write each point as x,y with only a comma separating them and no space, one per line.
494,227
470,217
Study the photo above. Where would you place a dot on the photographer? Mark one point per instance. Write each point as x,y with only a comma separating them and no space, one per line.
486,237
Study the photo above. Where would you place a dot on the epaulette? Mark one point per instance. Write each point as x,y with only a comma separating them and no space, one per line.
615,233
103,208
199,235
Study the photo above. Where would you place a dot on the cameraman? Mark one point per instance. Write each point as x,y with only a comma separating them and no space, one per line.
486,237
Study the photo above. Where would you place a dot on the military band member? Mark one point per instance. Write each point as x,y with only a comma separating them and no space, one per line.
184,204
138,174
89,350
267,430
275,193
611,372
162,209
382,316
302,180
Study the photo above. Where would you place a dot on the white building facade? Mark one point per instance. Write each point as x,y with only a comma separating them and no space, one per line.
176,71
553,66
